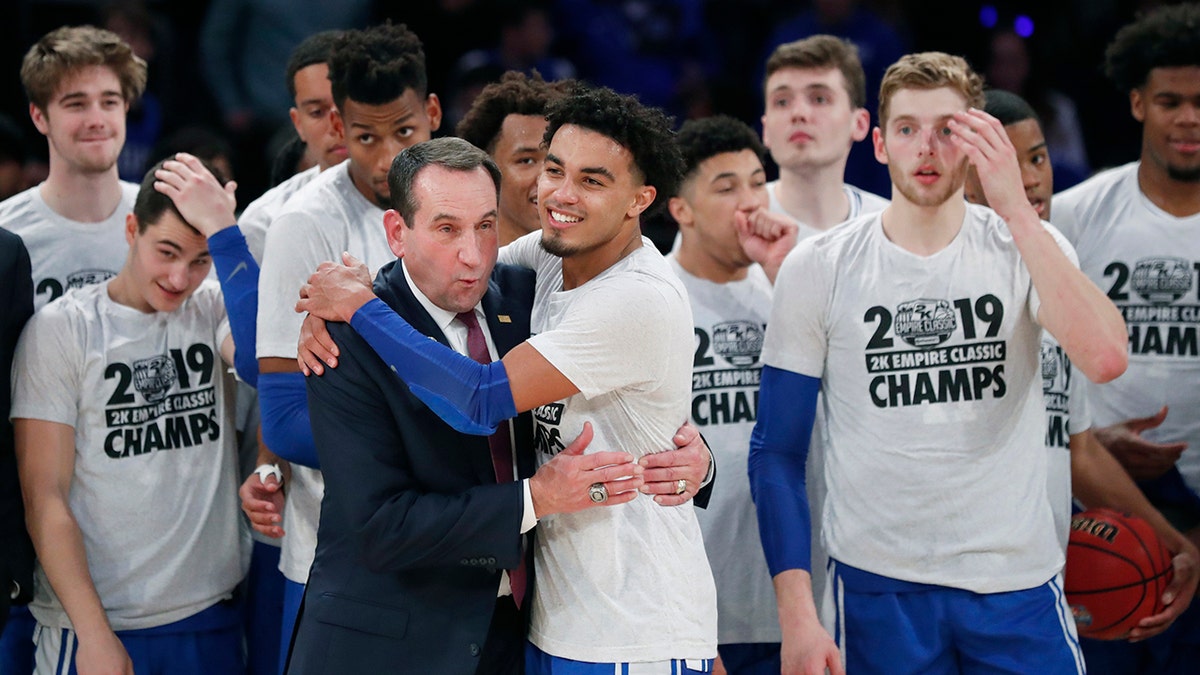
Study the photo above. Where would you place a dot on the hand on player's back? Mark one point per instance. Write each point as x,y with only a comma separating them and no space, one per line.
335,292
1142,458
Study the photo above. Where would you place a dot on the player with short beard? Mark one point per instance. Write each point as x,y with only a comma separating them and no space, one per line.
80,82
936,507
1135,228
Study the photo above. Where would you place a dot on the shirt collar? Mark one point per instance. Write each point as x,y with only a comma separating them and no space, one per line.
444,318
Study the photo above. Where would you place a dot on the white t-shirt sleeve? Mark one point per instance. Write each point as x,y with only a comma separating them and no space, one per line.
797,336
616,337
296,245
523,251
1035,301
47,369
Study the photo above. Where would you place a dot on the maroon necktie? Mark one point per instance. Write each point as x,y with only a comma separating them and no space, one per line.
502,456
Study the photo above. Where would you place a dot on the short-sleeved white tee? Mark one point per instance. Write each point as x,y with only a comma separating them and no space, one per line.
630,582
1148,262
155,485
730,319
324,218
66,253
861,203
1067,414
935,461
256,218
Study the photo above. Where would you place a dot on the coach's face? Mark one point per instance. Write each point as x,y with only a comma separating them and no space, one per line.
450,247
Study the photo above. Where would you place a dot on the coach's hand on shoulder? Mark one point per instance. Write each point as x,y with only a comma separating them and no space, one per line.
335,292
102,654
1185,566
562,484
1142,458
689,462
202,201
316,348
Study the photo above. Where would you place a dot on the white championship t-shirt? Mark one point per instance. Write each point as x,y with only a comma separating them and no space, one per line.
155,484
935,461
324,218
65,253
627,583
1147,261
1067,414
258,215
861,203
730,319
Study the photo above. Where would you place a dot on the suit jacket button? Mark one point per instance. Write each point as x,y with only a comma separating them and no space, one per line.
474,649
492,561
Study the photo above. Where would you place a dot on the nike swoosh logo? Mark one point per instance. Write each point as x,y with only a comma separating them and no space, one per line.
241,266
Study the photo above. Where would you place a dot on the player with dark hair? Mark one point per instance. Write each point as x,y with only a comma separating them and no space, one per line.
1079,467
1135,230
508,120
724,181
920,327
609,581
120,398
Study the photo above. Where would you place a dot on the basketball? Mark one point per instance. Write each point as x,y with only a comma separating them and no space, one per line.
1117,570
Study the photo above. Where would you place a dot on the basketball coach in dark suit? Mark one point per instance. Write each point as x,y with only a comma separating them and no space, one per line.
16,306
419,548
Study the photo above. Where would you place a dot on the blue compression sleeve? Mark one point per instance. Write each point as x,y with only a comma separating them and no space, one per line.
238,273
283,407
787,408
469,396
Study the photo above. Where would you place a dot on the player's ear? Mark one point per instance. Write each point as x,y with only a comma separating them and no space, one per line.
681,211
862,124
131,228
339,126
433,108
1137,105
39,119
880,150
642,200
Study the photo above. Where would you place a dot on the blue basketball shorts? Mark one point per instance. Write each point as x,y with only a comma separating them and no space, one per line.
538,662
207,642
899,628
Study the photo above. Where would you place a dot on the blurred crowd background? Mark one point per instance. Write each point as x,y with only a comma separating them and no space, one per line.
217,66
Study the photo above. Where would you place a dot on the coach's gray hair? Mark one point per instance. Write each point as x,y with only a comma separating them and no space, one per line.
450,153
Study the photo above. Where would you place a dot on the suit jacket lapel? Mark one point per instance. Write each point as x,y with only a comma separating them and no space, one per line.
392,287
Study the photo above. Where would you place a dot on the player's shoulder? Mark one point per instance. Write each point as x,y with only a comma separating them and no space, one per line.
273,199
15,211
1096,189
129,193
78,306
863,202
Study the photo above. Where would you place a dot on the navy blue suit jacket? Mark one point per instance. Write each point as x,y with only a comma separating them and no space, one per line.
414,529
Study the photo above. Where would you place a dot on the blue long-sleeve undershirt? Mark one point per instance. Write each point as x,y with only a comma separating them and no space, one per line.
238,273
471,397
787,407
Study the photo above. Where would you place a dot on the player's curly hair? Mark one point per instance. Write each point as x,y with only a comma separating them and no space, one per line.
929,70
65,51
313,50
376,65
1167,37
515,94
644,131
710,136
